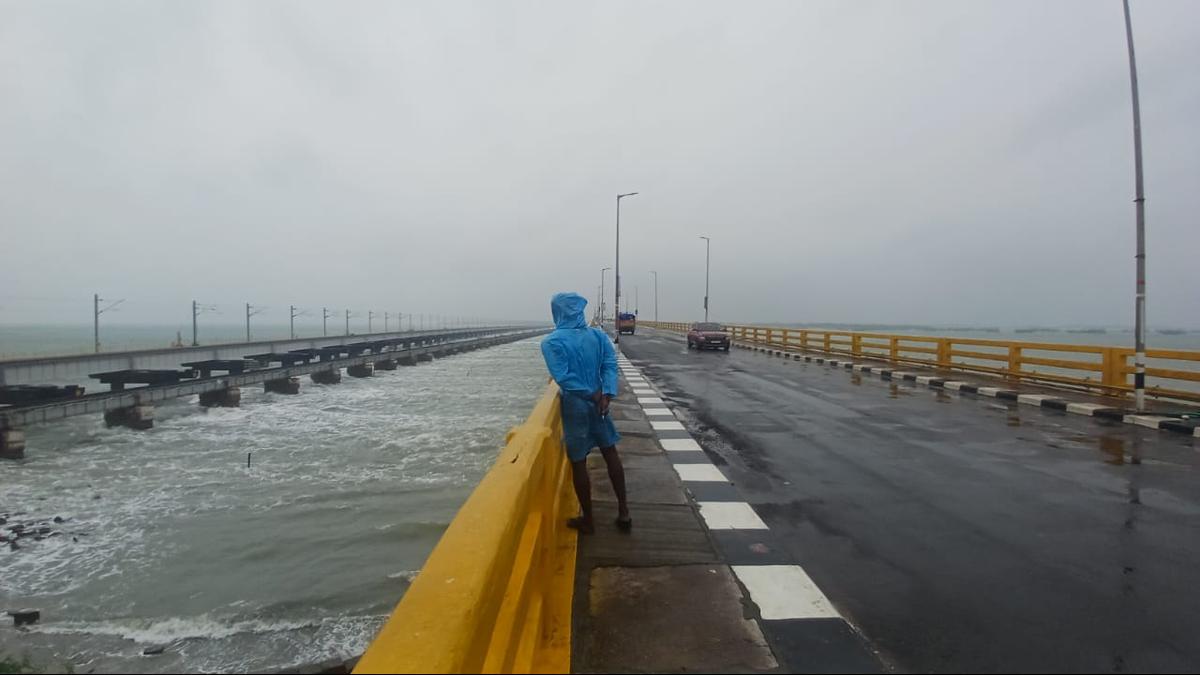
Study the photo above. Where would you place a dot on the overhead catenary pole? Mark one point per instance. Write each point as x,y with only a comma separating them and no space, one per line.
347,322
96,312
197,310
370,321
251,310
1139,329
707,250
292,311
617,272
325,314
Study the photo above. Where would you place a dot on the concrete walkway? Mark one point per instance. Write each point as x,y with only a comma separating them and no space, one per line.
670,597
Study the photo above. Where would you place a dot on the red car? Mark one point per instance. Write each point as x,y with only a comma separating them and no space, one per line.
708,336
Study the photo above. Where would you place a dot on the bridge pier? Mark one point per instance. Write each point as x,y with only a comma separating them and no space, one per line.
230,397
332,376
135,417
12,443
287,385
361,370
425,357
386,364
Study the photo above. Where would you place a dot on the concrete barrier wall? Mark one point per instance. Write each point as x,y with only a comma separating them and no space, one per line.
495,594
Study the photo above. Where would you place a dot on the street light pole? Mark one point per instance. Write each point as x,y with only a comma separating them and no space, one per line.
707,257
655,295
617,274
602,294
1139,363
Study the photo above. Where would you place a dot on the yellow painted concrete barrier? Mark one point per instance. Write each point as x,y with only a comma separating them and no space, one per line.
495,594
1172,374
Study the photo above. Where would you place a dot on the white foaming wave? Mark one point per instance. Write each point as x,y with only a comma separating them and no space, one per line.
407,575
174,629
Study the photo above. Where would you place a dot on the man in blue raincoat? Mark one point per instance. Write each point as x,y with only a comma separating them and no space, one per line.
584,364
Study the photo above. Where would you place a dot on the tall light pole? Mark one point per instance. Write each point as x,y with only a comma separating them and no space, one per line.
1139,329
602,271
655,295
707,257
617,274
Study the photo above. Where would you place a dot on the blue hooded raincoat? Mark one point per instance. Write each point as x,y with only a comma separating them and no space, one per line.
582,361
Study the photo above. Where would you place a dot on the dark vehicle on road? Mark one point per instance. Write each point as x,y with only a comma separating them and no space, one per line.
708,336
626,323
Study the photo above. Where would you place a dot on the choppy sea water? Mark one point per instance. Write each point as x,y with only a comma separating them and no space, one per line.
168,540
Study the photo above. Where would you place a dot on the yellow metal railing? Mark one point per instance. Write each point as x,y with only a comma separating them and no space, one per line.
495,594
1170,373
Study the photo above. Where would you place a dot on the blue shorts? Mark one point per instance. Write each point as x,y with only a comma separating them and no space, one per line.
584,428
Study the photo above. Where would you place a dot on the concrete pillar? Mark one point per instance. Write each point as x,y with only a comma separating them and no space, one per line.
386,364
425,357
134,417
361,370
287,385
230,397
332,376
408,360
12,443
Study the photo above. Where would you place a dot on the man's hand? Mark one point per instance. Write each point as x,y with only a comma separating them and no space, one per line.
602,404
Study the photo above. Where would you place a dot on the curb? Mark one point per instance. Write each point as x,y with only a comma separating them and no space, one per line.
1172,423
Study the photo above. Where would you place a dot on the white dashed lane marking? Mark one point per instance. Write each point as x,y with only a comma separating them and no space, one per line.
700,473
651,400
679,445
730,516
666,425
784,592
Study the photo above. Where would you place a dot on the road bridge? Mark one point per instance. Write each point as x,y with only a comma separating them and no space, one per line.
959,532
821,514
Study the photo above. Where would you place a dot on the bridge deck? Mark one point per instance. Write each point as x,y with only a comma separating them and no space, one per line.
16,417
958,532
665,598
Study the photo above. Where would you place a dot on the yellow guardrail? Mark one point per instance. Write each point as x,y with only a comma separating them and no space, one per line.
1170,373
495,594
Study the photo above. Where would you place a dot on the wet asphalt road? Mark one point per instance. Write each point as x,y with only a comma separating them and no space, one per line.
959,533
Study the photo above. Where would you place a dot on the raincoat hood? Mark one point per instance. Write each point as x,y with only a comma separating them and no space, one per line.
567,309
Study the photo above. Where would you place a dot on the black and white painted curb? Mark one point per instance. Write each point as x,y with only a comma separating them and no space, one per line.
794,612
1173,423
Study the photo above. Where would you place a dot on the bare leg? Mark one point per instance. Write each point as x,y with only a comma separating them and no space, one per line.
616,475
583,491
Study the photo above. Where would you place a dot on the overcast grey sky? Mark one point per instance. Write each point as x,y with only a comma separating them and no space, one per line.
927,162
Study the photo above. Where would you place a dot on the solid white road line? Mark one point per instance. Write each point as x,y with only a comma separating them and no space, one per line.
679,445
730,516
666,425
700,473
784,592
